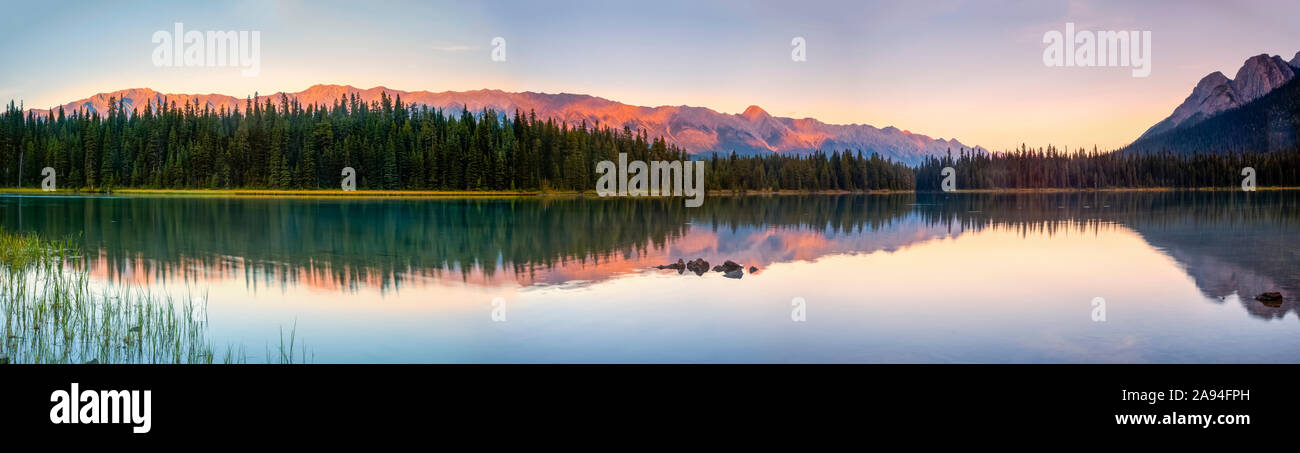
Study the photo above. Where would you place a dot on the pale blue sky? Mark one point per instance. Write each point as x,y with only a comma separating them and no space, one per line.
966,69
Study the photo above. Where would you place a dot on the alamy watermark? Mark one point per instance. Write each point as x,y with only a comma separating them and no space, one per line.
76,406
48,184
1098,309
349,183
193,48
1248,183
1106,48
498,309
949,181
659,178
498,49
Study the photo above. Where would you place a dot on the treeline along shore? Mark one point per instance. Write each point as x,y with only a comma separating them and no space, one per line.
269,148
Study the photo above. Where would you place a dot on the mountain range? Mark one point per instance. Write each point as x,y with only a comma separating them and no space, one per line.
698,130
1216,92
1255,111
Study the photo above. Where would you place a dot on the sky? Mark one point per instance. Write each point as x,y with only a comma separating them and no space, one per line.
971,70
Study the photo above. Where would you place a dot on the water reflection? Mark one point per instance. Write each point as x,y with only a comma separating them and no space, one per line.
1233,245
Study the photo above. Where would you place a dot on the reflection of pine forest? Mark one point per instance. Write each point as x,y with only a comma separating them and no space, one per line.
380,241
398,146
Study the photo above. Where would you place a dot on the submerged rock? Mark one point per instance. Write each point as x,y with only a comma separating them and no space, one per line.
1272,299
1269,296
734,274
679,265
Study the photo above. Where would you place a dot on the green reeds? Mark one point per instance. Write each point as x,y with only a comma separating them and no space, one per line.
51,314
285,353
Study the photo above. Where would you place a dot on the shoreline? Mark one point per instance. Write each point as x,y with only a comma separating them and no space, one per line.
336,193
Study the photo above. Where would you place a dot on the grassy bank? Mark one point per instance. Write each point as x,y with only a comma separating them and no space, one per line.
51,315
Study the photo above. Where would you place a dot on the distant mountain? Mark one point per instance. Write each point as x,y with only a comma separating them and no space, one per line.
1215,93
698,130
1258,111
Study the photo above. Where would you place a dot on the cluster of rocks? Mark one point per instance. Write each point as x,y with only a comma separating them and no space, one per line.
699,266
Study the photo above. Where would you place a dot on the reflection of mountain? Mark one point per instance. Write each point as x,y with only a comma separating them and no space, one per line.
1221,279
345,243
388,243
1245,246
1228,242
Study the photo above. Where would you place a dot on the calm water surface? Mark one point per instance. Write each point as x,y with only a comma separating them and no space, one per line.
886,278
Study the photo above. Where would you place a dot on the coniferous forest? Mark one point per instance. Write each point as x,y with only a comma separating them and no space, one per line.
394,146
1050,167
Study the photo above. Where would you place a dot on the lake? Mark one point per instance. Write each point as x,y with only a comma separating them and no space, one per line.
932,278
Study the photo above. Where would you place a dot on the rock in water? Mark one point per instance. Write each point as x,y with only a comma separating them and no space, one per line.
734,274
729,266
1272,299
698,266
753,269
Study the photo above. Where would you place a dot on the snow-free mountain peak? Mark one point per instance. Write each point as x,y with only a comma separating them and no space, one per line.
1216,93
698,130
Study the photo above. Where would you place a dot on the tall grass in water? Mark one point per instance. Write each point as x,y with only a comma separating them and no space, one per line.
51,315
285,353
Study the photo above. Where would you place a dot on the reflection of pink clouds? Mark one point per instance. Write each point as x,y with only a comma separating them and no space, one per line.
804,246
759,247
594,271
777,245
696,240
